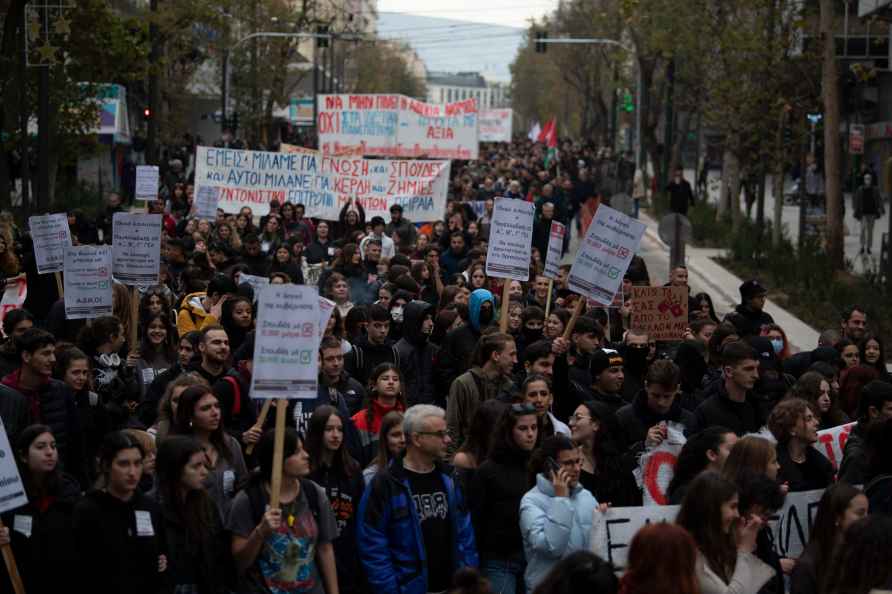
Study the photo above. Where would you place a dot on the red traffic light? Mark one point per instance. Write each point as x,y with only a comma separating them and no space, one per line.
147,113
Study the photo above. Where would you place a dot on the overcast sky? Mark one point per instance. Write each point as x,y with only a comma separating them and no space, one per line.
512,13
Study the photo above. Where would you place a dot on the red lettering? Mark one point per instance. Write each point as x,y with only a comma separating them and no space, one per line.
440,133
652,473
333,102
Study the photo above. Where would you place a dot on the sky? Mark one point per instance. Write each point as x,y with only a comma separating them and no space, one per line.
462,35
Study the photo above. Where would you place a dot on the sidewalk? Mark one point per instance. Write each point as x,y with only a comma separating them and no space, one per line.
705,274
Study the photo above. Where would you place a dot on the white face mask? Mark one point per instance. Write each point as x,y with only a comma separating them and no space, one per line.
397,313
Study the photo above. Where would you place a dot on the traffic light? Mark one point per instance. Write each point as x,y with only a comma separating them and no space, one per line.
628,104
322,42
147,114
541,46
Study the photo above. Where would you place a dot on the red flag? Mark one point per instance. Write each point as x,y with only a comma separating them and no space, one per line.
548,135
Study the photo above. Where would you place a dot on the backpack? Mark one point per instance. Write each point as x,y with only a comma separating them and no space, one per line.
258,507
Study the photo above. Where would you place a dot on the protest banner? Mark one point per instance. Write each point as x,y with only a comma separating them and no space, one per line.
14,294
662,312
555,250
397,126
293,148
420,187
51,236
12,496
510,239
832,442
605,254
613,530
146,182
326,308
792,524
136,248
285,358
88,282
656,467
206,200
494,125
254,178
324,185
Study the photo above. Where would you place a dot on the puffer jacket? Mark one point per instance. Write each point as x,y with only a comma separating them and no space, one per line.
389,537
553,527
192,315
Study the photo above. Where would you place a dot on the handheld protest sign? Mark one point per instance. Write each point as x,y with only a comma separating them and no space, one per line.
278,453
552,267
88,280
548,299
12,495
577,311
510,239
136,248
147,177
59,286
503,314
605,254
51,236
662,312
206,199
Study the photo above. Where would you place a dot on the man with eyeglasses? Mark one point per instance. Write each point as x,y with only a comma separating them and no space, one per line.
413,528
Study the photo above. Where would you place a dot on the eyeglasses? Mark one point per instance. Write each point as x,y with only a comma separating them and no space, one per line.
438,434
523,408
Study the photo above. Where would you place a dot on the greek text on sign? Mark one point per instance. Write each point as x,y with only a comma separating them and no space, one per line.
51,236
286,343
12,490
510,239
832,442
88,282
14,294
146,182
495,125
324,185
605,254
552,268
662,312
136,248
397,126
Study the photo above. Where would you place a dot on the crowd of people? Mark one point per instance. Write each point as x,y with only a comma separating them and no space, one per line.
442,453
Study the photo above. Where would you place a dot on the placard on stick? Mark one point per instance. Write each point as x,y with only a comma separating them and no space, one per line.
510,239
88,282
605,254
146,182
662,312
136,248
552,268
51,236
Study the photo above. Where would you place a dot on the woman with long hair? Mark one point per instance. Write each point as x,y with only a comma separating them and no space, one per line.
705,309
385,395
157,350
606,468
873,354
752,454
862,563
167,406
118,531
795,427
238,320
198,415
153,302
271,237
581,571
725,541
494,498
841,506
815,389
289,548
555,323
707,450
197,544
475,449
283,261
779,343
41,529
661,554
391,443
335,470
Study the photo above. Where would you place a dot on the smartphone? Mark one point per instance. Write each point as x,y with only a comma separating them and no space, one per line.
552,466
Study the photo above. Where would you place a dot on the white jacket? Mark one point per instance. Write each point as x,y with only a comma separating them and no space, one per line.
750,574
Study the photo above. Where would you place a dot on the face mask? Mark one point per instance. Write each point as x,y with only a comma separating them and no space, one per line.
397,313
532,334
485,316
777,344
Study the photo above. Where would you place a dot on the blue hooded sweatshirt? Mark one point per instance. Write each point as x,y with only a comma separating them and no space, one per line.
475,301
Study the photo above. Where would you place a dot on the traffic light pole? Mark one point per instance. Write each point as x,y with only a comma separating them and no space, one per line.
541,39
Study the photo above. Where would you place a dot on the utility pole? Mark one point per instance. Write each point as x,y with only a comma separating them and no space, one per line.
830,94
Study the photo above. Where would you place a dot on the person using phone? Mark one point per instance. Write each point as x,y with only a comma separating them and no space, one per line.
556,514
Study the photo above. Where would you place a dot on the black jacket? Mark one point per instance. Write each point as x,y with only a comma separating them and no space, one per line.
748,321
417,356
816,472
365,356
494,499
455,356
718,409
854,466
113,557
317,252
46,559
637,418
148,408
238,410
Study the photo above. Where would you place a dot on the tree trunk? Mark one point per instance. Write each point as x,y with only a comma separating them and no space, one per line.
732,173
830,93
725,192
777,187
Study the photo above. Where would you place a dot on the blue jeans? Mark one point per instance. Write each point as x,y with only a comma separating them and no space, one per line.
505,575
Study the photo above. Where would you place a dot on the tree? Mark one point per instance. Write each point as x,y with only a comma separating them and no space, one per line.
830,94
381,67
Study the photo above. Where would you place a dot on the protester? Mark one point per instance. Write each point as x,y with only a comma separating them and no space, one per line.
795,428
862,562
385,395
413,528
391,443
286,548
659,555
875,405
536,390
725,540
706,451
579,571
